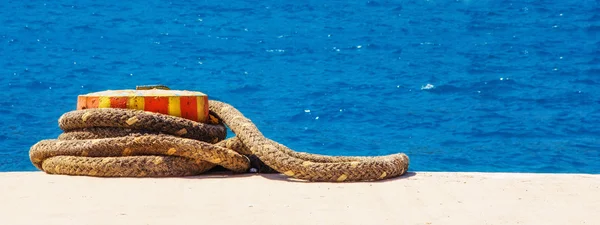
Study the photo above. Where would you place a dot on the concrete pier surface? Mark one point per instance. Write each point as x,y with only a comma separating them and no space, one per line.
31,198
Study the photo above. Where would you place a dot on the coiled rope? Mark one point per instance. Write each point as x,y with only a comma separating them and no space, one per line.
110,142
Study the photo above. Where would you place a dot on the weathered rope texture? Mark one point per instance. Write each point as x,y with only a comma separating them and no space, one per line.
132,143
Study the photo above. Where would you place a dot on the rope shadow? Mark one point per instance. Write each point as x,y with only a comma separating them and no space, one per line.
282,177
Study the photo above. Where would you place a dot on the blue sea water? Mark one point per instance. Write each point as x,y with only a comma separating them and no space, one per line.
457,85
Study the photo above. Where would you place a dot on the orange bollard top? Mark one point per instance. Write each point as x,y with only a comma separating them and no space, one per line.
191,105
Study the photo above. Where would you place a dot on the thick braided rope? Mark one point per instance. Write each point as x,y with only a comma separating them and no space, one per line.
117,142
308,166
132,143
141,120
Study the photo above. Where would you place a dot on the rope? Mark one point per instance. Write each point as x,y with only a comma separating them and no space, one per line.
110,142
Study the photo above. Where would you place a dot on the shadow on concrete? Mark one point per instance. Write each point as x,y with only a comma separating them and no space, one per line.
282,177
